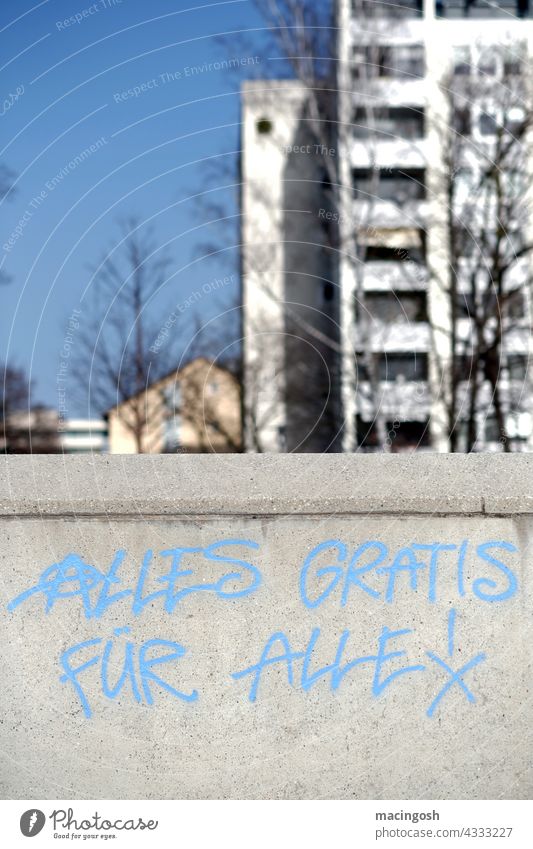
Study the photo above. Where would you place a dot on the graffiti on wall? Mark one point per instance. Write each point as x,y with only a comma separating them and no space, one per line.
332,573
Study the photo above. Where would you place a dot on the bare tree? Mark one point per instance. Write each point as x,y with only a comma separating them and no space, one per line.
487,249
117,362
304,38
485,182
26,428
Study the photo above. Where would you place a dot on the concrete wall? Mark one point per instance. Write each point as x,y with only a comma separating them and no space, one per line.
437,706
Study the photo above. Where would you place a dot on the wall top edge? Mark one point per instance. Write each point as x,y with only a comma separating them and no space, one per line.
265,484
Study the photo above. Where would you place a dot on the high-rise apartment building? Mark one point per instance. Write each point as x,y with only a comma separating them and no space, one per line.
386,224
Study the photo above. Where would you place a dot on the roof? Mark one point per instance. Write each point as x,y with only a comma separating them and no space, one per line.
165,377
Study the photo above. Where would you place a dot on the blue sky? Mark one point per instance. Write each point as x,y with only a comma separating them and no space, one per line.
65,86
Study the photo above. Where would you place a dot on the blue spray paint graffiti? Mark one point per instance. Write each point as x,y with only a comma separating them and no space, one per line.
331,574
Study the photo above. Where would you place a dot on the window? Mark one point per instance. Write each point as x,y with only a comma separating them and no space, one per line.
392,307
385,253
487,63
483,8
514,59
401,436
264,126
488,126
171,397
171,434
328,291
515,121
393,366
462,121
391,184
403,122
406,366
408,61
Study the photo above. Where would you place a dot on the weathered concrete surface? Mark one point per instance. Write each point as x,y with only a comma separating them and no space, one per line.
266,484
331,738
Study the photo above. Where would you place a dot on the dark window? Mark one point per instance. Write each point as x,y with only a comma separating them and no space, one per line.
517,366
513,62
396,306
401,436
408,366
391,184
328,291
516,122
385,253
462,121
487,63
264,126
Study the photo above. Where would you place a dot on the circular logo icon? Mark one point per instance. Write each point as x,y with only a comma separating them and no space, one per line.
32,822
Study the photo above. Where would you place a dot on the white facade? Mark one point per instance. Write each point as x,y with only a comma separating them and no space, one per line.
290,292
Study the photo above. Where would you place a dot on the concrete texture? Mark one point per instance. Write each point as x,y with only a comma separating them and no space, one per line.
266,484
344,734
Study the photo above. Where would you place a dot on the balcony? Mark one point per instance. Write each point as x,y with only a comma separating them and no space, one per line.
388,275
392,153
401,337
398,367
370,212
403,400
402,436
